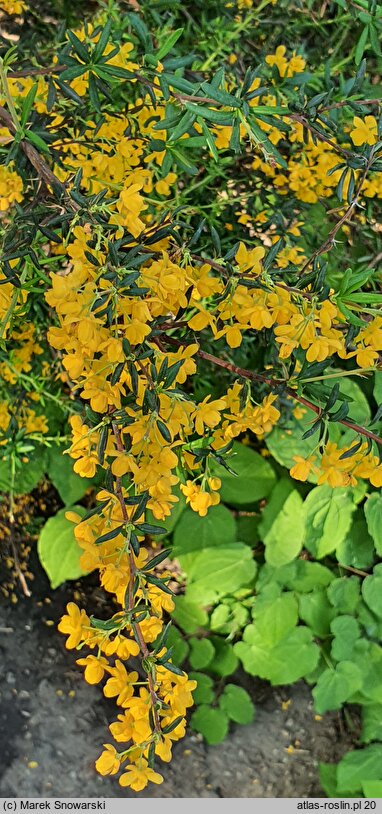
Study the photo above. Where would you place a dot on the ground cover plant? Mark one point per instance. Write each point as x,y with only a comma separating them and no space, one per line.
190,333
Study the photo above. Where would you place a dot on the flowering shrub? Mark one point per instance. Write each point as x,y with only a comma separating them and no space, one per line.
146,325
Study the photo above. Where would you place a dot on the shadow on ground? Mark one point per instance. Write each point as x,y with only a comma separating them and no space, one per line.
53,725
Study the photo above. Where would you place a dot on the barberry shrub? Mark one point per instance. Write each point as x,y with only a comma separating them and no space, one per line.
190,250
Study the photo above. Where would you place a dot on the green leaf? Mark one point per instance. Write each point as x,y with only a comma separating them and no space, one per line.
255,477
217,571
372,788
358,767
285,443
371,723
204,692
274,618
377,391
328,780
346,633
70,486
179,646
316,612
344,594
211,723
372,593
335,686
237,704
58,549
201,653
373,514
328,514
368,657
189,615
357,548
292,658
247,528
225,661
195,533
282,526
27,477
361,45
170,42
219,618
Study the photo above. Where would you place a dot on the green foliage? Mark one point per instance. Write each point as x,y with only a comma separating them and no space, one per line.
58,549
70,486
254,477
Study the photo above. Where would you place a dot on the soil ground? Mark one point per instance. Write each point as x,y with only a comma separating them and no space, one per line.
53,725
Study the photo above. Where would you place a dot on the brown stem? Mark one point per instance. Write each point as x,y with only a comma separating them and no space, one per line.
43,170
274,384
329,240
222,270
135,625
317,133
335,105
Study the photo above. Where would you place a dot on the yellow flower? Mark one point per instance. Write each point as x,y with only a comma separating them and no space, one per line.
13,6
137,777
73,624
278,59
108,762
94,668
302,468
365,131
11,186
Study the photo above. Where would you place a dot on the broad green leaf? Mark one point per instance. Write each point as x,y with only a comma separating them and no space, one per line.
201,653
58,549
372,789
217,571
254,478
335,686
357,548
290,659
373,514
300,575
204,692
377,391
282,527
70,486
27,477
344,594
237,704
285,443
180,648
211,723
328,780
372,593
219,618
368,620
229,618
315,610
274,619
281,491
328,514
189,615
194,533
358,767
248,528
225,661
371,723
346,632
368,657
